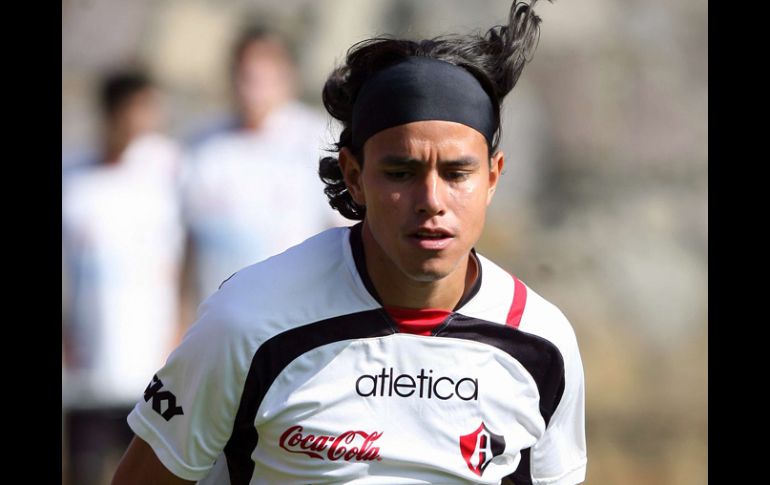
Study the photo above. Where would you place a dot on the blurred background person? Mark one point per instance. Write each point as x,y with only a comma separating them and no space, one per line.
251,188
121,245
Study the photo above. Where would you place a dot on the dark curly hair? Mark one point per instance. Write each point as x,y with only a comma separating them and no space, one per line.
118,87
495,58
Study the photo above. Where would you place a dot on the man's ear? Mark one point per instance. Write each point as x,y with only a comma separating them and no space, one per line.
496,165
351,172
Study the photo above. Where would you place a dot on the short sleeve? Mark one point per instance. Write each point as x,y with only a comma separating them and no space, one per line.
188,409
559,456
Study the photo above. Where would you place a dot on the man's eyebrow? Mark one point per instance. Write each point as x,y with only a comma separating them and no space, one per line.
399,160
461,162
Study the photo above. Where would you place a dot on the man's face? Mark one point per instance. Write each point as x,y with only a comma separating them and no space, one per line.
426,186
143,112
264,77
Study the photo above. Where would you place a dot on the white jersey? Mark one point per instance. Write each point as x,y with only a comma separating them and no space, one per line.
294,373
122,247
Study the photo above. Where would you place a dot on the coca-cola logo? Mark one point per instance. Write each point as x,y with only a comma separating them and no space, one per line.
350,445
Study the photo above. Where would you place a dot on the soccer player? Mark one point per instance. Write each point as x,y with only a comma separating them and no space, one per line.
391,351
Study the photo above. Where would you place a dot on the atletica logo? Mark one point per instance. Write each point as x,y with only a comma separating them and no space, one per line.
478,448
293,441
422,385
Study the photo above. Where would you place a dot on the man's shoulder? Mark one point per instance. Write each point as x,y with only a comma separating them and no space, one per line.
81,184
545,319
298,265
200,135
214,145
306,283
518,304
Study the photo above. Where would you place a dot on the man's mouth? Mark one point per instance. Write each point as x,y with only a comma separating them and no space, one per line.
431,235
433,239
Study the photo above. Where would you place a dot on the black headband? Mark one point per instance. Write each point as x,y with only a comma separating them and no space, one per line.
419,89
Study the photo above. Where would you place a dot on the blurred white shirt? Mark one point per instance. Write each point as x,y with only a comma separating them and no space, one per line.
122,244
250,195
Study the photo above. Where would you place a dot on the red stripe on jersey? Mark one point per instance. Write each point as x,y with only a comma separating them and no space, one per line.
417,321
517,306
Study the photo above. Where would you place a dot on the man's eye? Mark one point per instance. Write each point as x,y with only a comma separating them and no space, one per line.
397,175
457,175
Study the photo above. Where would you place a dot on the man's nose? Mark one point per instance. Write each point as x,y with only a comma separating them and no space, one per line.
430,195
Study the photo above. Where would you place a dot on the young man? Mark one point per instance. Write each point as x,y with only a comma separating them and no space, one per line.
389,352
121,254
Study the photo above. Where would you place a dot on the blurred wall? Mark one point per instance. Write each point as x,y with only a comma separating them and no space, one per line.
603,203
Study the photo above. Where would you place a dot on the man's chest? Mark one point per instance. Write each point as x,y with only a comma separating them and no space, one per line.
433,409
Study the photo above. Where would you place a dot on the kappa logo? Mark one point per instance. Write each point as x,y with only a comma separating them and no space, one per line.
479,447
158,397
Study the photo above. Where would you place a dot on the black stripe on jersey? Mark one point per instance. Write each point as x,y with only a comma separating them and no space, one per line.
522,475
225,281
357,248
359,257
476,284
272,358
539,356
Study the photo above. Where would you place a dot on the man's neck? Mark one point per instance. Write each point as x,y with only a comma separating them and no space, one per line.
256,119
397,289
114,146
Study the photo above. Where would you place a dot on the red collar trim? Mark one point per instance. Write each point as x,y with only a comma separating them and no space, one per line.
417,321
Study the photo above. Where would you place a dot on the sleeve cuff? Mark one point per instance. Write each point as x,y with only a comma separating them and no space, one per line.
572,477
163,450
